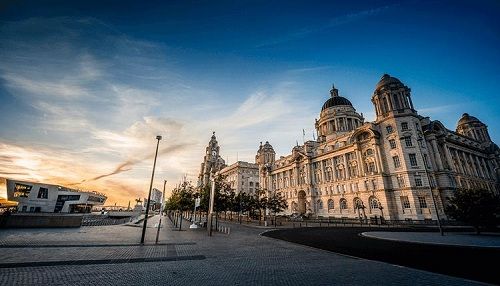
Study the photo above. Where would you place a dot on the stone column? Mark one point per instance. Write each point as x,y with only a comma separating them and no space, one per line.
437,154
380,165
448,157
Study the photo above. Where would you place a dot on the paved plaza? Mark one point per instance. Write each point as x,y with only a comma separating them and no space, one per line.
111,255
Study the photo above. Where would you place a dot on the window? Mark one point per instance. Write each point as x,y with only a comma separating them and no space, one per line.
418,181
371,167
422,202
330,204
404,126
43,193
405,202
392,143
426,161
343,204
389,129
22,191
413,159
397,163
374,203
408,141
320,204
251,184
401,181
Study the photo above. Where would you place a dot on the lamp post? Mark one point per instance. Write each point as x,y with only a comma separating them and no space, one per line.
211,207
420,139
161,211
158,138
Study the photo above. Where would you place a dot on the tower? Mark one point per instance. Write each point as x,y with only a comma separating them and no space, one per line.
265,158
212,162
337,117
473,128
391,97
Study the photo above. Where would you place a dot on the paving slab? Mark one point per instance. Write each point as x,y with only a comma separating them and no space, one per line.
241,258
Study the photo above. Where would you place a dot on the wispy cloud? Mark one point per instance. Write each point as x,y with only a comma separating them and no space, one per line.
332,23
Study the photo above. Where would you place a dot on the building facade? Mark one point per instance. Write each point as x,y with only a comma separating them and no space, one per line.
212,162
242,177
402,166
39,197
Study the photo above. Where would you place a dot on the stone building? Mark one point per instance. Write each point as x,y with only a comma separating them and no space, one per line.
402,166
212,162
242,176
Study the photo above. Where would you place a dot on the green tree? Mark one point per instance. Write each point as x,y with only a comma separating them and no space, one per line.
181,199
276,204
479,208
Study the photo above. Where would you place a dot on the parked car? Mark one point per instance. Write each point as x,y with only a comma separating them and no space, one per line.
296,217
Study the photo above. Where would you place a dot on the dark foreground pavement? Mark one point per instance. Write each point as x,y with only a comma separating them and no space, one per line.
474,263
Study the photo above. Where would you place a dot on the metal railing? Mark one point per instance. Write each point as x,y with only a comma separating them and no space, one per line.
100,220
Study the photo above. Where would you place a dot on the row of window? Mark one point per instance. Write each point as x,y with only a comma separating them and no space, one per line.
405,202
404,127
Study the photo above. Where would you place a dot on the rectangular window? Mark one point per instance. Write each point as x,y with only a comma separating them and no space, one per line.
418,181
43,193
413,159
404,126
422,202
22,190
397,163
408,142
405,202
392,142
401,181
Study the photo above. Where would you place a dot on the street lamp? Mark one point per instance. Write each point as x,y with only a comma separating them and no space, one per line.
420,139
158,138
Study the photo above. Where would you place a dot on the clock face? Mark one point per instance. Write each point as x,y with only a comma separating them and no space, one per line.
214,153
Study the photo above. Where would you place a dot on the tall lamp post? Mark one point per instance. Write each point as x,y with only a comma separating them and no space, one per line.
420,139
158,138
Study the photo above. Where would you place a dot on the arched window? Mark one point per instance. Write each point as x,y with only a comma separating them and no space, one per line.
357,203
374,204
330,204
343,204
320,204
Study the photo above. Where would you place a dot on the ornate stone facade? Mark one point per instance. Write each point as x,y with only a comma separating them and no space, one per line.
212,162
401,166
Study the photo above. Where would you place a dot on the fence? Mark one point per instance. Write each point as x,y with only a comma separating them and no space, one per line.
99,220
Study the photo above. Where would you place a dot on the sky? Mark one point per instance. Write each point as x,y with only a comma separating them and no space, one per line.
85,86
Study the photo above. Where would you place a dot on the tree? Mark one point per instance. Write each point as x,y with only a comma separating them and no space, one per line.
181,199
478,207
277,203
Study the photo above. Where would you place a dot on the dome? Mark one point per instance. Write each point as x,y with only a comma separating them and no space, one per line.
387,80
466,119
335,100
266,147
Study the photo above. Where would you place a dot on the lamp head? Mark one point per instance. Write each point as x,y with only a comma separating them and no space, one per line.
158,137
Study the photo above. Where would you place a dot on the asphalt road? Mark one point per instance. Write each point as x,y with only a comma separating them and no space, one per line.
480,264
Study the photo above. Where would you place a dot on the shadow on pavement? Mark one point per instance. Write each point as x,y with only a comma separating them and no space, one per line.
473,263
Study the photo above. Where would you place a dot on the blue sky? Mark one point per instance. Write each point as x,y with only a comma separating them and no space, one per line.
86,85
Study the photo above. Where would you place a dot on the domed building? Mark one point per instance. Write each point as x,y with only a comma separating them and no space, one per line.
402,166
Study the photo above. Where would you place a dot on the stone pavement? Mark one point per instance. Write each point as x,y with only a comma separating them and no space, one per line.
110,255
449,238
